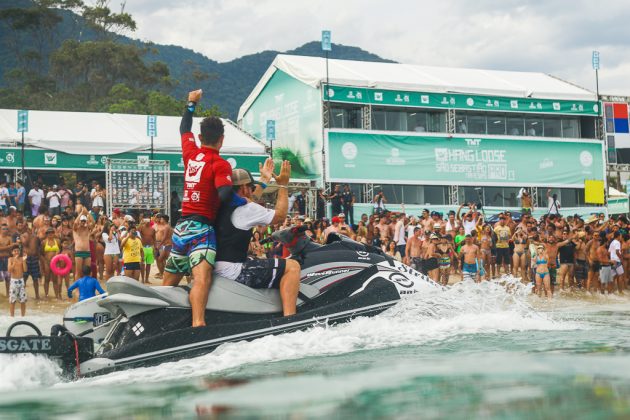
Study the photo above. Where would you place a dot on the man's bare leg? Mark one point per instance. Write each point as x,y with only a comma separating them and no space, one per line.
171,279
202,273
289,287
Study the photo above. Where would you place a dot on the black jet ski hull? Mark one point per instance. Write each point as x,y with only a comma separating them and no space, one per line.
185,342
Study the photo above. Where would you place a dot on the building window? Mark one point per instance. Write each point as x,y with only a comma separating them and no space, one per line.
533,126
570,128
417,121
552,127
346,117
435,194
496,125
477,124
515,126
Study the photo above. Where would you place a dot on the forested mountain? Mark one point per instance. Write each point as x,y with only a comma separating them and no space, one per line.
64,55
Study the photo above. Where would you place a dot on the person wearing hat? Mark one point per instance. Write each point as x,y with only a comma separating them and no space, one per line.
526,202
81,229
234,232
333,228
54,201
430,264
207,185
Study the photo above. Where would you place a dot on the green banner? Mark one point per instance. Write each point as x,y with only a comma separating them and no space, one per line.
47,159
458,101
443,160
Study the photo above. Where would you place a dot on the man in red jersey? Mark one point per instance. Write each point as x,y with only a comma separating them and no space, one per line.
207,184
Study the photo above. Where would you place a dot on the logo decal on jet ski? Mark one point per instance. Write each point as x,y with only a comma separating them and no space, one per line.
138,329
363,255
401,280
328,272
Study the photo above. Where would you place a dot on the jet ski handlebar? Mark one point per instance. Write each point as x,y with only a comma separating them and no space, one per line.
286,235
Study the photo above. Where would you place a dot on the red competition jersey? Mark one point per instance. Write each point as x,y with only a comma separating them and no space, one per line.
206,171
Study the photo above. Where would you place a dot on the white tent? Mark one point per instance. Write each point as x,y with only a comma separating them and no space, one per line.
87,133
312,71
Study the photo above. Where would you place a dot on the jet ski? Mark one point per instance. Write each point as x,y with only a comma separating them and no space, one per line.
137,325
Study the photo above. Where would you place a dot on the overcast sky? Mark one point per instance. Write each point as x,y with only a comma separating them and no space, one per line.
551,36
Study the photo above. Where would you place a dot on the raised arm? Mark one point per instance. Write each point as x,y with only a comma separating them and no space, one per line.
458,215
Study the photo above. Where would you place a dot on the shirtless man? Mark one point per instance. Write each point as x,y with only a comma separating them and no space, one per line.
471,255
431,256
413,250
581,268
32,248
5,252
163,242
11,220
81,230
148,237
593,263
606,269
427,222
17,266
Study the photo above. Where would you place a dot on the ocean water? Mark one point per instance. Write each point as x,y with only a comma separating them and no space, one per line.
488,350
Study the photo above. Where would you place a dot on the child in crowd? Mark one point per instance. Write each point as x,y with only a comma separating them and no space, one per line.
88,285
17,292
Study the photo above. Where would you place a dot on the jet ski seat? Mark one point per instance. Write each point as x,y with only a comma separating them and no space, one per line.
225,295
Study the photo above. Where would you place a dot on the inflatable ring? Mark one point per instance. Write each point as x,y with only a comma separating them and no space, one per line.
64,269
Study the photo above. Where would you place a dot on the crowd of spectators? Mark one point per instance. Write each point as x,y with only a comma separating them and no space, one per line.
46,221
553,251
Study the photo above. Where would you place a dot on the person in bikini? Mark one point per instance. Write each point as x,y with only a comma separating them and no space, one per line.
431,258
445,251
50,248
486,251
81,233
519,258
541,271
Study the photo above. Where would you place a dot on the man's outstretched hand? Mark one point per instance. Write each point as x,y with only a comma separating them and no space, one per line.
266,170
285,173
195,96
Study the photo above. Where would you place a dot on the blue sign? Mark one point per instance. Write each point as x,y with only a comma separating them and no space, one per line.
22,123
595,60
271,130
326,41
151,126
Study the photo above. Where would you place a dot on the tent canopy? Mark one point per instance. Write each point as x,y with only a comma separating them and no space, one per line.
312,71
88,133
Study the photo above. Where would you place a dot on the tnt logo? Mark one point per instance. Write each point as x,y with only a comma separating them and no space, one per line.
473,142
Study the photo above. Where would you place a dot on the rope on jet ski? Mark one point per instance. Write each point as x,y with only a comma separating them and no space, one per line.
76,357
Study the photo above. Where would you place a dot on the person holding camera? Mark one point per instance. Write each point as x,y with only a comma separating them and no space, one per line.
112,249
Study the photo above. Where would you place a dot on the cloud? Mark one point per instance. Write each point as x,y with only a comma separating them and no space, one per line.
552,36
